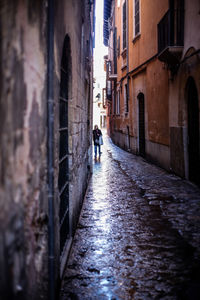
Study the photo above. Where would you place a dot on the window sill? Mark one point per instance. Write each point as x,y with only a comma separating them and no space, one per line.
123,53
123,67
137,37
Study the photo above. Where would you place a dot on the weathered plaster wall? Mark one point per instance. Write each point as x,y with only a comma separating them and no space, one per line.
192,25
157,103
165,95
23,207
144,46
23,137
151,79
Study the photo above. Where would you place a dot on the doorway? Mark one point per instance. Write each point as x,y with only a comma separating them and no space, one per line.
193,131
141,123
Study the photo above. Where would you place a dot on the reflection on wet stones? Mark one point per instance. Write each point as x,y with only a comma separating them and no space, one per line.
138,236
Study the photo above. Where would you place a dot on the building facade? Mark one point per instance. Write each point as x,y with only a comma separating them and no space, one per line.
99,103
46,87
153,80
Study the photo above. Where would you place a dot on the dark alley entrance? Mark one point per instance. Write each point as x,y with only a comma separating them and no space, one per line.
138,234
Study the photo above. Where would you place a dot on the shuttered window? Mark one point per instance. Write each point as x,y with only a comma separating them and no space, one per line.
137,17
118,46
115,50
126,99
124,24
118,103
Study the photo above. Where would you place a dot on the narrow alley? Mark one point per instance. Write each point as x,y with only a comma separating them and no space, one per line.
138,235
126,226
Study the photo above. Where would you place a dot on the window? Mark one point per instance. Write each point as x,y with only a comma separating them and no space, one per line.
118,46
115,50
108,68
114,101
124,24
104,97
136,17
109,90
118,103
126,99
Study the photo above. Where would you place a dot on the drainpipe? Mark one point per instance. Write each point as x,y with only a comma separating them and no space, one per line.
50,148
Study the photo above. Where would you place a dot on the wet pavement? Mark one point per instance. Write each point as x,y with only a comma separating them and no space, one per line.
138,236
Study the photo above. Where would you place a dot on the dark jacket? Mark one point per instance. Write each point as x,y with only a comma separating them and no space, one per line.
96,135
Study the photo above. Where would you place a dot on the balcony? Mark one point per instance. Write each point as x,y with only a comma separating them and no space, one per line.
171,36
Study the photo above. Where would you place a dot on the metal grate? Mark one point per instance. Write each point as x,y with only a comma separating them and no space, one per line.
63,178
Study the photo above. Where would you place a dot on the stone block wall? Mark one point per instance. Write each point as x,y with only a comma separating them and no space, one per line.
78,30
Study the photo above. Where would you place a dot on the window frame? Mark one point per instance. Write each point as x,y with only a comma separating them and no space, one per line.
135,34
115,50
118,103
126,98
124,39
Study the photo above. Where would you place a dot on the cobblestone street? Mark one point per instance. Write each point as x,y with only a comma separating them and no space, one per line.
138,236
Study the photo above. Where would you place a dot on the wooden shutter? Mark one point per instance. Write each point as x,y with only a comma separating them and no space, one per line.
137,17
118,46
124,25
115,50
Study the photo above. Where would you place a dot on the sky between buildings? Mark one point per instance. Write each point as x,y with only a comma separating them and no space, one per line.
100,50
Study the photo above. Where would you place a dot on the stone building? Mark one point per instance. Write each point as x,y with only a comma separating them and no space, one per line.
46,50
153,80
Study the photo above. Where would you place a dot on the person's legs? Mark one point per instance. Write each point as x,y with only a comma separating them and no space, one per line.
95,151
99,150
